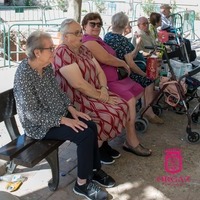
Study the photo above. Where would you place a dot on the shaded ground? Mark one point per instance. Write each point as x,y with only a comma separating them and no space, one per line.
137,178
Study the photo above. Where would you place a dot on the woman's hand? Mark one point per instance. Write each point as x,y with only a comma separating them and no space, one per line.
127,68
75,124
138,40
113,100
104,96
76,114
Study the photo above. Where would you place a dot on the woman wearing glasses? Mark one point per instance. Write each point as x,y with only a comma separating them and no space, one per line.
80,75
47,113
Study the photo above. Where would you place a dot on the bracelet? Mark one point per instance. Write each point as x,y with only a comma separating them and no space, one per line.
103,86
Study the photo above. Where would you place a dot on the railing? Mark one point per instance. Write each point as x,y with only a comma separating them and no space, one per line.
3,41
16,22
184,23
21,13
13,18
18,34
32,14
139,9
54,14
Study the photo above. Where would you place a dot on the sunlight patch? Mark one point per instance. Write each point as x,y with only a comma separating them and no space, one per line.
151,193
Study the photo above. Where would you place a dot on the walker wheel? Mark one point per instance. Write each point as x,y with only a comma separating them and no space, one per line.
140,125
192,137
146,120
143,118
157,109
195,117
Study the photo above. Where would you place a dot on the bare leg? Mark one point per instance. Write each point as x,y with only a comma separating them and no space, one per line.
131,136
81,181
100,142
148,97
149,114
132,143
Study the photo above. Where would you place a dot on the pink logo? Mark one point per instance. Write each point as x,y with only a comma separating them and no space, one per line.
173,164
173,161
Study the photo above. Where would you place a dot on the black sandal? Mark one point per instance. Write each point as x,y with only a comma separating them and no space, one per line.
139,150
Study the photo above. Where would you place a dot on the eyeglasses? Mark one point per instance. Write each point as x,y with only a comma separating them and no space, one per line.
51,49
93,24
145,23
76,33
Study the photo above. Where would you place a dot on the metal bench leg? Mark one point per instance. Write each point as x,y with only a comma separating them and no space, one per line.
53,161
11,166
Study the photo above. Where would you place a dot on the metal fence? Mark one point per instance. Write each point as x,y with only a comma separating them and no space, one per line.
32,14
17,35
184,23
17,22
54,14
21,14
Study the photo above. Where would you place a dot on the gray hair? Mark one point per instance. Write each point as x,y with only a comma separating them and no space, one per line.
35,41
119,21
65,26
141,20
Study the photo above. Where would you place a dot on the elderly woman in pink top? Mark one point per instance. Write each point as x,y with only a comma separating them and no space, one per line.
126,87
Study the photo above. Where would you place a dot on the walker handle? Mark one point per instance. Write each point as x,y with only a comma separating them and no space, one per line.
156,47
171,44
150,47
194,71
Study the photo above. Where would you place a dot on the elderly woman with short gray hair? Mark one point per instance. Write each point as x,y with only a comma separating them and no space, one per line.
80,75
126,51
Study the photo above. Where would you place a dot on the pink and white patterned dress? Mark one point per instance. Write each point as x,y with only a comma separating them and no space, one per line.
110,119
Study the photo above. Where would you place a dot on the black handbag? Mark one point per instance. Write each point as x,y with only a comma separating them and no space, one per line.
122,73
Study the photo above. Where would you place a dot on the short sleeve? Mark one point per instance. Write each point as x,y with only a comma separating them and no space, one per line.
86,52
63,56
125,47
119,43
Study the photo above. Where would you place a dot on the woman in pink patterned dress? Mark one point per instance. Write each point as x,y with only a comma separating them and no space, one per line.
80,75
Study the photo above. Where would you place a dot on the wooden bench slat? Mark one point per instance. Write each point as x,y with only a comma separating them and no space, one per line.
10,150
36,152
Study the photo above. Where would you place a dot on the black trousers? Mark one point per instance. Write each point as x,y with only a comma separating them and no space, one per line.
87,146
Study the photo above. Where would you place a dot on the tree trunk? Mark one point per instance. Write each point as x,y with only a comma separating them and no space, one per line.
74,9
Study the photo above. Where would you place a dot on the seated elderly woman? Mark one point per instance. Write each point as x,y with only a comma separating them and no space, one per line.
80,75
156,22
123,49
46,113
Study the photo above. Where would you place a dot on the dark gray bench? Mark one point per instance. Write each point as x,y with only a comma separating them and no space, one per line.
23,150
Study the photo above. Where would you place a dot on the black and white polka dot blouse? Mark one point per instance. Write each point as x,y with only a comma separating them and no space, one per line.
39,100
